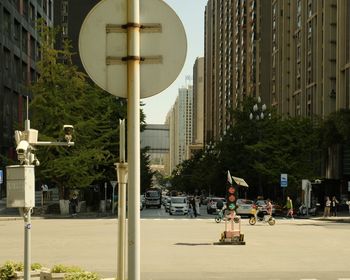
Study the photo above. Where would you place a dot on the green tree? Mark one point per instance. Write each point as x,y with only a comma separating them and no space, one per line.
62,95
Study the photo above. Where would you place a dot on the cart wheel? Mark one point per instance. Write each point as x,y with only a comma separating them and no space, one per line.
272,221
217,219
252,221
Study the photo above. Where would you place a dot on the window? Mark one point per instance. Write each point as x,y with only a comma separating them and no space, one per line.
17,33
32,48
7,24
31,14
24,73
7,59
17,65
24,41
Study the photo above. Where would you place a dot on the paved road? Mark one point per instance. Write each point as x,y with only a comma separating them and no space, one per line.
174,248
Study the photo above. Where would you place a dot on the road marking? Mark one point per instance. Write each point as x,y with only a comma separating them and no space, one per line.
308,279
343,278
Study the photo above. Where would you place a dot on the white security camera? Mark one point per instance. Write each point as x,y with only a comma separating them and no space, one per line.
68,131
22,147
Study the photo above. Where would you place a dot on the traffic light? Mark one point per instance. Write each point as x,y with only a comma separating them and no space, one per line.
231,198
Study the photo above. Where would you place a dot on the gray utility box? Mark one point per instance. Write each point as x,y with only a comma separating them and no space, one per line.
20,186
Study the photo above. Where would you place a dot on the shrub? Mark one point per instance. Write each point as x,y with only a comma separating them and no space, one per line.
7,270
81,276
36,266
60,268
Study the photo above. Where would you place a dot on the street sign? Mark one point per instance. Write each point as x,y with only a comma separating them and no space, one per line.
284,180
1,177
103,46
113,183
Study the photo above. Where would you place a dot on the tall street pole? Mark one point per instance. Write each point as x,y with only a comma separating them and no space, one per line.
122,175
133,139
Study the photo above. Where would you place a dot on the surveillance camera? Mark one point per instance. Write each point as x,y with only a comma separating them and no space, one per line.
22,147
68,131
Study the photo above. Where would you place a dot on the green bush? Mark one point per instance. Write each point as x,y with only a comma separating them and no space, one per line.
36,266
7,270
81,276
60,268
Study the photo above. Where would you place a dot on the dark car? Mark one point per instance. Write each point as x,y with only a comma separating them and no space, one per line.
211,206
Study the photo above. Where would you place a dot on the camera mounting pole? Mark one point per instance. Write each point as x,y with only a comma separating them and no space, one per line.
21,180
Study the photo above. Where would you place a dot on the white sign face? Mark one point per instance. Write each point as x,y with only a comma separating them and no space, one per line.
113,183
284,180
103,52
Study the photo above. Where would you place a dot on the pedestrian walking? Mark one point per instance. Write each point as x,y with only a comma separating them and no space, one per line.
327,207
197,202
74,204
334,206
193,204
190,210
289,206
269,207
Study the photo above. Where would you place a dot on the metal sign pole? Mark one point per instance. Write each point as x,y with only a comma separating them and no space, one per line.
27,242
133,91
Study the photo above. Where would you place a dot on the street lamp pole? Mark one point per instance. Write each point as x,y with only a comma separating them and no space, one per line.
258,115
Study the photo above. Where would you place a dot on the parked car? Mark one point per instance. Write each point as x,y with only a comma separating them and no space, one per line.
211,205
178,205
167,204
244,207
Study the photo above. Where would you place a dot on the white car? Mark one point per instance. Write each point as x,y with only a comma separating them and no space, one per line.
178,205
167,204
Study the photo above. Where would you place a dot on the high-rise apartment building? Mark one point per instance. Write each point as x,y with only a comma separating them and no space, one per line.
70,15
179,120
294,54
237,59
305,47
19,51
198,102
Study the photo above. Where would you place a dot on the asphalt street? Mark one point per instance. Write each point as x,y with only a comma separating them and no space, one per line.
177,247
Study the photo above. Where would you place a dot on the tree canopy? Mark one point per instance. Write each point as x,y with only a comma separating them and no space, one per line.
63,95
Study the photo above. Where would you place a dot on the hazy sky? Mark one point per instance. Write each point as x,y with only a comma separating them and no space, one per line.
191,13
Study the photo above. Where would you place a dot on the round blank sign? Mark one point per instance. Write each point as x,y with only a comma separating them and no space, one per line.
103,45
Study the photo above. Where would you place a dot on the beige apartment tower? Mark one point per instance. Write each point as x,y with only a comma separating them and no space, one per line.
294,54
237,59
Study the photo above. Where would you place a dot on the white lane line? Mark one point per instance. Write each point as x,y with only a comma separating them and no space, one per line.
308,279
343,278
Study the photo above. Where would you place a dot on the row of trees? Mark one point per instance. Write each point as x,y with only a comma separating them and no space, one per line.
63,95
259,151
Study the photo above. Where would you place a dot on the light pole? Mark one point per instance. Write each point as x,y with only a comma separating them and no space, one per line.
258,115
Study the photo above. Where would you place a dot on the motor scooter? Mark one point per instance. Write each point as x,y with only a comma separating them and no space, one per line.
302,211
220,216
263,217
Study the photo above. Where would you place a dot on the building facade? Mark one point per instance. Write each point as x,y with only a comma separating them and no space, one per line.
294,54
19,51
156,138
70,15
237,59
179,120
198,102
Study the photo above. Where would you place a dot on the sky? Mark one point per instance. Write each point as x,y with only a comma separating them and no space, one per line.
191,13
